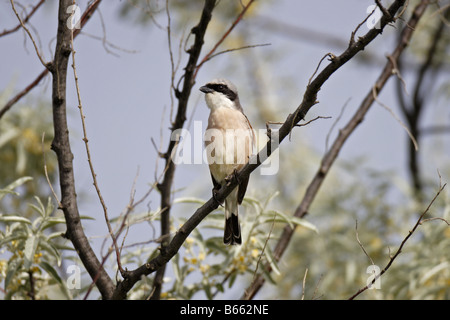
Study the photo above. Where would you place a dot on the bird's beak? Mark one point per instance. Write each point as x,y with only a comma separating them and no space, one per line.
205,89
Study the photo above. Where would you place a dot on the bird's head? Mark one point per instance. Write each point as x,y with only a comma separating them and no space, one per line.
221,93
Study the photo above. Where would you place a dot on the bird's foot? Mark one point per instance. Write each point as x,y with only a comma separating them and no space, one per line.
214,195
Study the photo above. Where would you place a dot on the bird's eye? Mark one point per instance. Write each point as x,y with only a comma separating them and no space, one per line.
220,87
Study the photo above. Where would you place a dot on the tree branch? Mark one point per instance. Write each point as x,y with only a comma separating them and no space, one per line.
61,146
225,35
344,134
41,58
165,187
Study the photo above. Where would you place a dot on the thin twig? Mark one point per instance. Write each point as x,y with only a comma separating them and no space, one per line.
399,250
360,244
330,56
335,123
45,64
46,174
28,17
237,49
222,39
304,285
264,247
411,136
88,152
299,124
436,218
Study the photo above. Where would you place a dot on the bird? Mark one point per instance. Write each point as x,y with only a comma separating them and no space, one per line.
229,142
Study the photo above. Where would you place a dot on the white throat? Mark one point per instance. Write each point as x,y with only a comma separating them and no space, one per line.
216,100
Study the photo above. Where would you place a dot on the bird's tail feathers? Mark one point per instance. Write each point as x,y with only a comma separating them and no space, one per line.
232,231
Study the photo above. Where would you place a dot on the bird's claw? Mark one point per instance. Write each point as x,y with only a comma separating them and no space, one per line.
214,195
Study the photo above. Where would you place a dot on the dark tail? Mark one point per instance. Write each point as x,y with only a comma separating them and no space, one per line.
232,233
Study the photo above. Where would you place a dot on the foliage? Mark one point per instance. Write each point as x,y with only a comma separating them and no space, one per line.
21,149
205,268
336,266
32,250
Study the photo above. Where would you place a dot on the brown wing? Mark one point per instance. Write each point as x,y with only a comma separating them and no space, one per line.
244,182
215,183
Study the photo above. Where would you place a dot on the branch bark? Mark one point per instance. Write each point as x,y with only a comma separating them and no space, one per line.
344,134
165,187
61,146
414,108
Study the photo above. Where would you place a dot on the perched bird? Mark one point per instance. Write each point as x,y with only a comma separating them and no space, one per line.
229,141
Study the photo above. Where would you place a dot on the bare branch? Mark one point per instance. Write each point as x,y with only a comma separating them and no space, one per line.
225,35
88,153
28,17
344,134
236,49
45,64
360,244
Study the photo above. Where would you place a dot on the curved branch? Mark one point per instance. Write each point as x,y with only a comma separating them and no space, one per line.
344,134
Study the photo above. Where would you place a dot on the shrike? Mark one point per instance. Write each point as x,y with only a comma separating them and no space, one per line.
229,141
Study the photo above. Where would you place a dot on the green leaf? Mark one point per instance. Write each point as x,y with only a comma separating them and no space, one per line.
270,257
189,200
280,217
268,276
49,247
41,209
305,224
232,279
86,218
30,248
176,268
13,267
20,235
50,207
50,222
14,219
9,188
51,271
